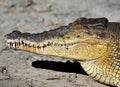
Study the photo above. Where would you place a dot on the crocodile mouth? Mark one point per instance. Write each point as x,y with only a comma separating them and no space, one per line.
78,40
17,44
84,48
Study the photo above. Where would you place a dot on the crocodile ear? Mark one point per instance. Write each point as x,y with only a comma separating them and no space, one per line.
95,23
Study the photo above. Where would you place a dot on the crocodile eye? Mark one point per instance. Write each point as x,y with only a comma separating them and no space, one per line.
101,20
95,26
96,23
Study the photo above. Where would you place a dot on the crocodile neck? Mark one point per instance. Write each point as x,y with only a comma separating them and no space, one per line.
108,65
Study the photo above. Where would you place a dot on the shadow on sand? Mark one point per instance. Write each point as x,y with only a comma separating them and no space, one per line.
68,66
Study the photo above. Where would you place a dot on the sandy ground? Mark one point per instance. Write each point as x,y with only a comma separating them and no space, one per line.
23,69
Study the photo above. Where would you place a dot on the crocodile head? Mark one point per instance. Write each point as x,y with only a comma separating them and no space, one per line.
84,39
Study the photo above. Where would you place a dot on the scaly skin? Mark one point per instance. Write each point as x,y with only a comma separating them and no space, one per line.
94,42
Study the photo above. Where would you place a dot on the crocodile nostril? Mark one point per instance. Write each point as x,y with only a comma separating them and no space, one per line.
16,32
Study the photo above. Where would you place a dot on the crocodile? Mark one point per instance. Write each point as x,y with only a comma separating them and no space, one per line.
94,42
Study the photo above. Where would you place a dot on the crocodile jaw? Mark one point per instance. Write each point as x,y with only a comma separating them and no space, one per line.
84,49
80,40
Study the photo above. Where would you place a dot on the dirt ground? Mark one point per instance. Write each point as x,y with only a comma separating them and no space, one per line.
23,69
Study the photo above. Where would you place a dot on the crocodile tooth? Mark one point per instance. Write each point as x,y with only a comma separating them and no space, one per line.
29,45
37,50
42,50
8,45
17,44
13,45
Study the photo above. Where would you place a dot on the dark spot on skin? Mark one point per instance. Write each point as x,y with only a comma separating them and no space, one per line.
61,44
49,44
78,36
66,48
38,47
25,44
101,35
86,26
44,46
113,36
11,44
89,33
15,44
22,42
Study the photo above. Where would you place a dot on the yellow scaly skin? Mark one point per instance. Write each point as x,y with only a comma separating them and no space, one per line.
94,42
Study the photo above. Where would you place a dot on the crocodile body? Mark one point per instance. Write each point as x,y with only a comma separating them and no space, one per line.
94,42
